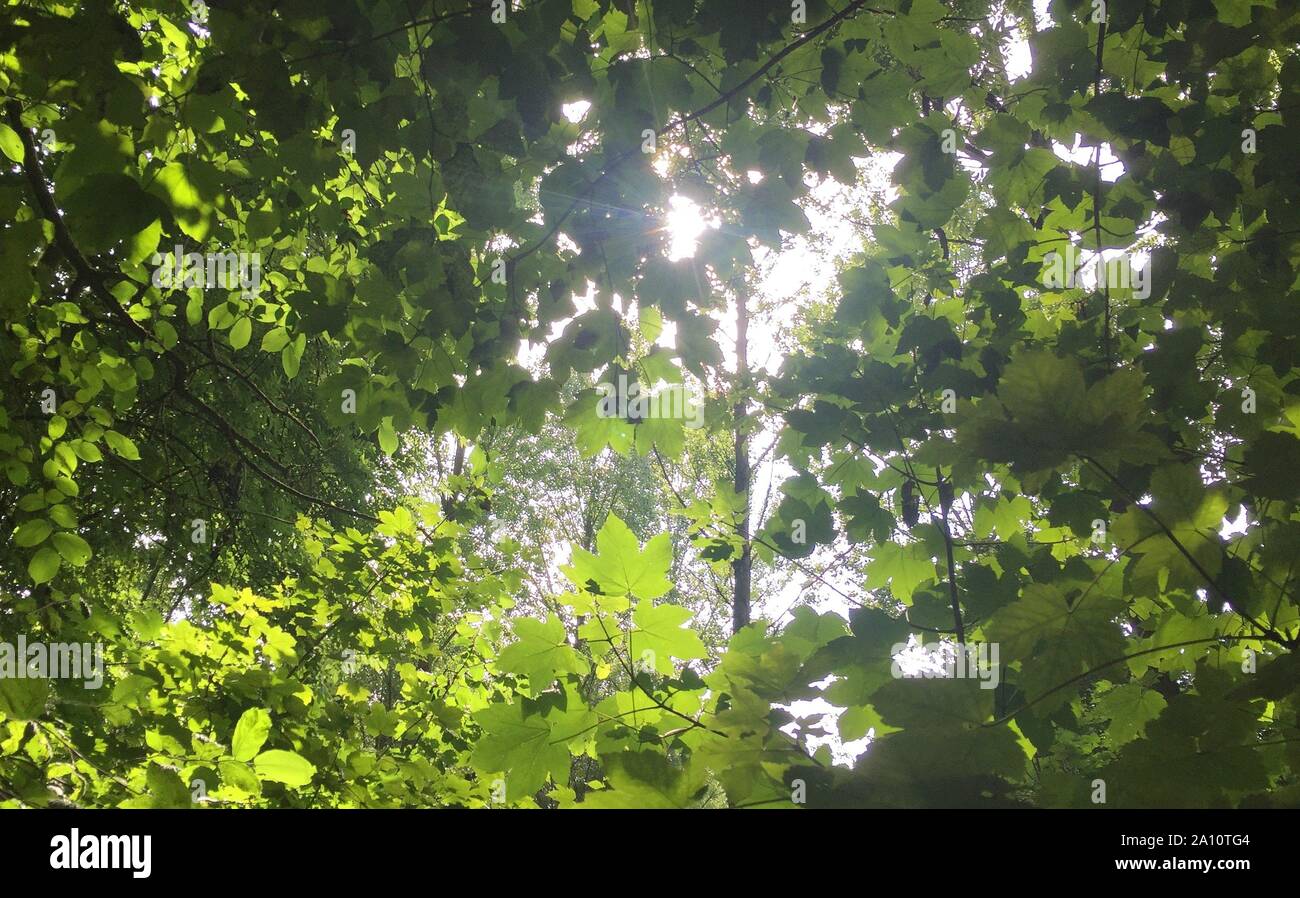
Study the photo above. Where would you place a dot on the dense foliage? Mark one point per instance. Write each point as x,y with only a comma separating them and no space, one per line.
312,517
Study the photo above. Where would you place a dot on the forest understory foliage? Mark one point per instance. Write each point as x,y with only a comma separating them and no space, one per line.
367,442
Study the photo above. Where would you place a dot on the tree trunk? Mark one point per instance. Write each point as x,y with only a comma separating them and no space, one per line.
743,566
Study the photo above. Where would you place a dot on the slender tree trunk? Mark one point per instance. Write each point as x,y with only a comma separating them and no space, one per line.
457,466
743,566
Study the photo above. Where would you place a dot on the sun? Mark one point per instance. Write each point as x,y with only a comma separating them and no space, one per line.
684,222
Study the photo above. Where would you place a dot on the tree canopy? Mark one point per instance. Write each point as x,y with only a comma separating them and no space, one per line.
331,330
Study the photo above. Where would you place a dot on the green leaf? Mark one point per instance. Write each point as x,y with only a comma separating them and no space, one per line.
522,747
387,436
240,333
620,566
166,334
23,698
1129,707
72,547
1044,414
286,767
903,567
250,734
62,514
291,356
11,144
121,445
192,213
1194,514
1273,461
262,223
646,779
541,654
33,532
107,209
918,702
275,339
650,321
1054,640
166,788
240,777
44,565
1238,12
661,631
